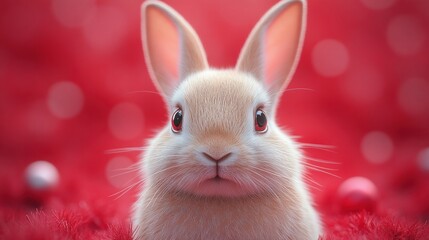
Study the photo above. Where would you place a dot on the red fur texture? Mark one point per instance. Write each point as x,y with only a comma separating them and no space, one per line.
74,86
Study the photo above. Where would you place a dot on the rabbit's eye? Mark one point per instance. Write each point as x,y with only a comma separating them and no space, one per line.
260,121
176,121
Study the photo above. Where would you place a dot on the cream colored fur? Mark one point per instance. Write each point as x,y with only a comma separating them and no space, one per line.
261,194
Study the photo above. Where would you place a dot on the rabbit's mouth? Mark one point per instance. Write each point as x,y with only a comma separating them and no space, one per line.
218,187
218,179
220,184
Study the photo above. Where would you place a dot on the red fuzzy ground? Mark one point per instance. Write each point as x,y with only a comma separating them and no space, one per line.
362,86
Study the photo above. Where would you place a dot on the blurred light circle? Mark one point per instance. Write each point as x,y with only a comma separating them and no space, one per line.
65,99
377,147
73,13
330,58
413,96
378,4
423,159
405,35
105,30
41,175
126,121
121,172
366,85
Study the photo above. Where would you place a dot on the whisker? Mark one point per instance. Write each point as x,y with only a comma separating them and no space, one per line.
322,171
299,89
143,91
139,149
132,166
125,172
320,160
322,147
319,167
165,169
122,192
267,186
317,145
310,180
268,171
123,150
154,196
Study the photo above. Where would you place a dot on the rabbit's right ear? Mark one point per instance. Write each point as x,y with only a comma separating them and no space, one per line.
272,50
171,47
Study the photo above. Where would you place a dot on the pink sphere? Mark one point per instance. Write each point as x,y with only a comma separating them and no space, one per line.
357,194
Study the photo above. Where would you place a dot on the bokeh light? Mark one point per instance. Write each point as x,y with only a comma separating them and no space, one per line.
377,147
106,29
65,99
413,96
423,159
405,35
73,13
330,58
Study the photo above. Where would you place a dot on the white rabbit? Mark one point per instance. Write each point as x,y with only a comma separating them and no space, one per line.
222,168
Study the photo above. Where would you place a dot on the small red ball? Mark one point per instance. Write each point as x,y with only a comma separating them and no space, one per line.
357,194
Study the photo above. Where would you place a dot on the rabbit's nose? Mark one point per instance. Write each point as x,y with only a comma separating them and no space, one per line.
215,158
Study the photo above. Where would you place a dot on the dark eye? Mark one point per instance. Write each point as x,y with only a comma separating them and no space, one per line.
260,121
176,121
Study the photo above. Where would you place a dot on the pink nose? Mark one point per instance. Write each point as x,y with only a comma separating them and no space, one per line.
216,160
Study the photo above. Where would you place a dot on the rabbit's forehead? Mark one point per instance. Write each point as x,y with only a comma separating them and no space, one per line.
221,89
217,95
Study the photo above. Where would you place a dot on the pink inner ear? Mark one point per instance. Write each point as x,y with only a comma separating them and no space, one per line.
163,47
281,44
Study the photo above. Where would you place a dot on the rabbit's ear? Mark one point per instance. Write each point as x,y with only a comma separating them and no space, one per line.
272,50
172,48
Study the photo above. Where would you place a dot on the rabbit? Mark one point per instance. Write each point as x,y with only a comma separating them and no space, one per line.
221,168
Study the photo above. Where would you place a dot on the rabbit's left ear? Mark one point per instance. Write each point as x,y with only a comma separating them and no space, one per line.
272,50
172,48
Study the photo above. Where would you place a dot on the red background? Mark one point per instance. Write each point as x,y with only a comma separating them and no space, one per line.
362,87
